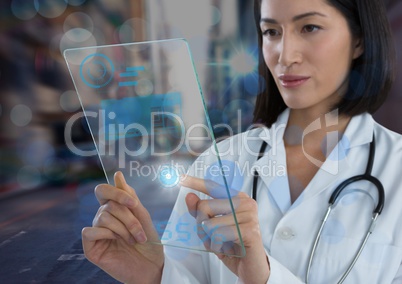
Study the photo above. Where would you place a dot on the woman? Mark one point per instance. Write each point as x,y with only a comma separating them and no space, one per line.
328,66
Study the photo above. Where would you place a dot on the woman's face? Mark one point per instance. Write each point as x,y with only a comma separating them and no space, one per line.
308,48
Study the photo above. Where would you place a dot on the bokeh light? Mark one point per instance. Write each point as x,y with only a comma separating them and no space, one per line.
335,231
238,111
21,115
78,20
254,83
55,169
78,34
112,115
76,2
77,37
144,87
131,30
23,9
349,196
216,15
37,152
29,177
69,101
243,63
50,8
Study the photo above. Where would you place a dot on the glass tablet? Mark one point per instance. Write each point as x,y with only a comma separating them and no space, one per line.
144,107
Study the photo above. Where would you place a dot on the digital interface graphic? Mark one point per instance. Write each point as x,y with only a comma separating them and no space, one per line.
97,70
160,112
169,176
130,72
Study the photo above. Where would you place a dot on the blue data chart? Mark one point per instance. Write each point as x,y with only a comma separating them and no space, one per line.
142,115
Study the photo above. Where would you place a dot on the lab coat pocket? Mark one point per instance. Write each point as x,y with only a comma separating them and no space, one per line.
378,262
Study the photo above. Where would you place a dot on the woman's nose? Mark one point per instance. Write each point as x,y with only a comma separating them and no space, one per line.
289,51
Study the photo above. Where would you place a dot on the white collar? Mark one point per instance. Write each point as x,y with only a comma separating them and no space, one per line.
358,132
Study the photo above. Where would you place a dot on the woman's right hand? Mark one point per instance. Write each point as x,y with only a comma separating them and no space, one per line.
119,239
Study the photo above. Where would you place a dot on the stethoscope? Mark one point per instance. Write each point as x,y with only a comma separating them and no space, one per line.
376,212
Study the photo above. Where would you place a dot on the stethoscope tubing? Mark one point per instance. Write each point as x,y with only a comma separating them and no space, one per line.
376,212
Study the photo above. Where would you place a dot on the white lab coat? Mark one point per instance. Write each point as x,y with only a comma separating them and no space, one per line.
289,230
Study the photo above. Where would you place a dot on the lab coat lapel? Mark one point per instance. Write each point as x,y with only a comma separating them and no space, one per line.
329,174
272,166
340,164
272,171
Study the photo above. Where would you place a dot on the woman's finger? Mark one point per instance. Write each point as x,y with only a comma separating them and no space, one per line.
192,203
93,234
205,209
210,188
108,221
197,184
121,192
126,217
224,229
90,235
120,220
221,236
106,192
228,236
138,209
219,221
120,182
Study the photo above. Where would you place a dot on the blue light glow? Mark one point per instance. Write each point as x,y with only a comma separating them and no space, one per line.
169,176
243,63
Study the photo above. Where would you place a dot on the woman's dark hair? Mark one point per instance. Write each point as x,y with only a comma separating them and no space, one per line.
371,75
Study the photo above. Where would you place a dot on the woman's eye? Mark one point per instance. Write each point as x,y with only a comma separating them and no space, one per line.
310,28
270,32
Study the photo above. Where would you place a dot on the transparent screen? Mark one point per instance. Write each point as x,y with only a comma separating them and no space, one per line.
145,110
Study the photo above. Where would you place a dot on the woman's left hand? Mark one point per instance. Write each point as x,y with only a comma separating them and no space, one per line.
216,218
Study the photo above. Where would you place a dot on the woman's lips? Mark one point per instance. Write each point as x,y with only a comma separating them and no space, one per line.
292,81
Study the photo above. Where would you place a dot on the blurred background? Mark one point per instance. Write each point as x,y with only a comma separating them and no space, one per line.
37,96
